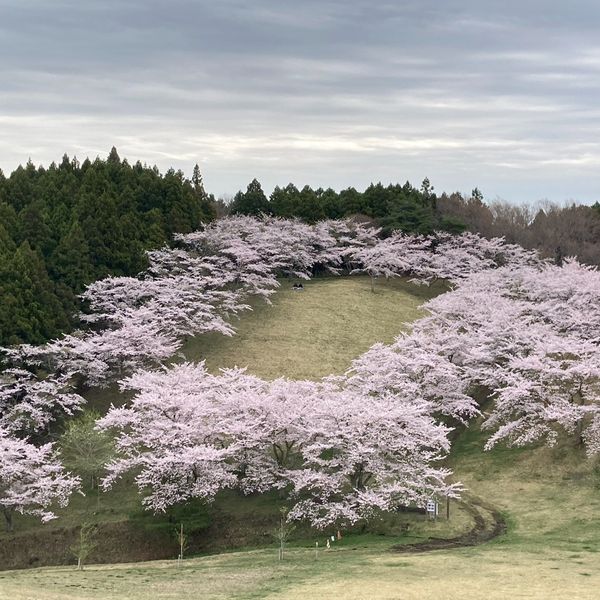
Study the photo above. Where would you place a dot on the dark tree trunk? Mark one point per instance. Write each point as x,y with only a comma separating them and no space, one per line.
8,518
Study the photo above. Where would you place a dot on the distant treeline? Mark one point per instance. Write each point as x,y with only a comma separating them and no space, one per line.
392,207
556,231
67,225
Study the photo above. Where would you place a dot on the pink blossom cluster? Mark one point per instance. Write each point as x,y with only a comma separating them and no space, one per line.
32,479
529,337
340,454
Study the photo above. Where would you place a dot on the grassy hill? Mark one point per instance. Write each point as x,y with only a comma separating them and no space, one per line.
550,498
316,332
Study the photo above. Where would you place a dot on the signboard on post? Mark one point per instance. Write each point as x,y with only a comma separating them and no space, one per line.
432,509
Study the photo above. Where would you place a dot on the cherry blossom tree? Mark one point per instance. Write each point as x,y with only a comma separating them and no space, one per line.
566,296
456,257
30,404
394,256
175,433
524,334
190,433
362,454
340,454
31,479
414,366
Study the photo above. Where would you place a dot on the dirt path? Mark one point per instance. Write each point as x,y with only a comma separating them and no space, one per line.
483,530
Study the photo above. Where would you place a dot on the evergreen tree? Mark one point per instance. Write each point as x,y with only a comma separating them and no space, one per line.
351,202
30,310
85,221
70,263
310,208
253,202
7,245
331,204
285,201
205,201
32,227
377,200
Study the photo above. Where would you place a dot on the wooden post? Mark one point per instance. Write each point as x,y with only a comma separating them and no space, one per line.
181,540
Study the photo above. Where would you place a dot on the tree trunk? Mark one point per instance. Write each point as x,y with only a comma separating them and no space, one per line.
579,441
79,564
8,517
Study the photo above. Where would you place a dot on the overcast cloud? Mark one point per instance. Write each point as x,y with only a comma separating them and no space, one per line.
500,95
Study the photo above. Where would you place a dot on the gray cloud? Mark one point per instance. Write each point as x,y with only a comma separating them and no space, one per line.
502,95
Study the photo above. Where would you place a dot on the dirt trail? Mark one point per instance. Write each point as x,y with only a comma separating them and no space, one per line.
483,530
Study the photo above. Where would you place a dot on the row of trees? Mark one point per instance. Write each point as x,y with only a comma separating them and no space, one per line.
72,223
527,335
555,231
338,455
393,207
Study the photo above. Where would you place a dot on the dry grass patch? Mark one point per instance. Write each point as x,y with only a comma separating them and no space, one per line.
316,332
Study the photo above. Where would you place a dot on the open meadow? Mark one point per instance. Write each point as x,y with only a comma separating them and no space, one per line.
315,332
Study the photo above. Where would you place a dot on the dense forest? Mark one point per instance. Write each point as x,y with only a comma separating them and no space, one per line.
69,224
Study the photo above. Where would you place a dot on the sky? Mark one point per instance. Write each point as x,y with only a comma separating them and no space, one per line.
504,96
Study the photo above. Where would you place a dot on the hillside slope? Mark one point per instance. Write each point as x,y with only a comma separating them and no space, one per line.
550,499
305,334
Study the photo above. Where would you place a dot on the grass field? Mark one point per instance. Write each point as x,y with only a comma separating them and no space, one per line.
550,497
316,332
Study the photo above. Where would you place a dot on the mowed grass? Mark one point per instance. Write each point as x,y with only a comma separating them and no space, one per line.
315,332
308,334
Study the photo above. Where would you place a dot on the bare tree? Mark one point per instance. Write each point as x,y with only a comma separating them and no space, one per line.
283,532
